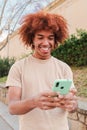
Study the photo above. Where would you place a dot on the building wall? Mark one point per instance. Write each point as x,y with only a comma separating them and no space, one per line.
14,48
75,11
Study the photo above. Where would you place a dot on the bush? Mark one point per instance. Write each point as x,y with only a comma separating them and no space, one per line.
5,65
74,49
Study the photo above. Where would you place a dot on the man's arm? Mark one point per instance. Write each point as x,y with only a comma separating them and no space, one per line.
16,105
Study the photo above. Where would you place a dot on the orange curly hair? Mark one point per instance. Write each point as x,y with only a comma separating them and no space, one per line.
43,21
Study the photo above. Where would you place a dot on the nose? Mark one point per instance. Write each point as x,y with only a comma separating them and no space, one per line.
46,42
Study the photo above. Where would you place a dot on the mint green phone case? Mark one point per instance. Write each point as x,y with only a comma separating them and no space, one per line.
62,86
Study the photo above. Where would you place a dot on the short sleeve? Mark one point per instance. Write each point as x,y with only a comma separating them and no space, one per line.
14,76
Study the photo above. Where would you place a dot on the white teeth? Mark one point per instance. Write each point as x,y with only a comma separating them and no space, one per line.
44,48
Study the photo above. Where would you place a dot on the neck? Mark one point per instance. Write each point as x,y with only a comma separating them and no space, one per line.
42,58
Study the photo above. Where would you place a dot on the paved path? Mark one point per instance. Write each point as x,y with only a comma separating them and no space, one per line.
4,125
7,121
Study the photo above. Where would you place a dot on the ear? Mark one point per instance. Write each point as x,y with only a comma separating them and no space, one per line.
32,46
55,45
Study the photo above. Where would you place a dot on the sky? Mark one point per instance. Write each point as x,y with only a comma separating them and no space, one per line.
18,7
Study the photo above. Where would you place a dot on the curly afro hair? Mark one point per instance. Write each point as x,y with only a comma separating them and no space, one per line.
43,21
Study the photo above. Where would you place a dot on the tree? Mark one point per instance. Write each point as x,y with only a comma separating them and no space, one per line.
12,12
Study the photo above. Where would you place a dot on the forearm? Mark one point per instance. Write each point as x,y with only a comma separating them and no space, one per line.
19,107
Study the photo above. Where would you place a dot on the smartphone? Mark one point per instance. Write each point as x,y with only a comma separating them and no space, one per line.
62,86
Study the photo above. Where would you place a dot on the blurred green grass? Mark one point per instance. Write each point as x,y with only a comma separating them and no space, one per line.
3,79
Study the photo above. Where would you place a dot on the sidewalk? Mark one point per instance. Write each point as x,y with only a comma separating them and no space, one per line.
7,121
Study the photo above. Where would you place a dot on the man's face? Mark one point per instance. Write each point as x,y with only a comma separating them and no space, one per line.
43,44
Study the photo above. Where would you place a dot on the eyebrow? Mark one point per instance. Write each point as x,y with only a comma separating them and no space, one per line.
52,35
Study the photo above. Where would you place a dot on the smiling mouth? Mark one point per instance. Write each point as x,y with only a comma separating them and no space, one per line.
45,47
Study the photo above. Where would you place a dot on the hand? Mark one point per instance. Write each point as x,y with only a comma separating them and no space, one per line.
68,102
45,100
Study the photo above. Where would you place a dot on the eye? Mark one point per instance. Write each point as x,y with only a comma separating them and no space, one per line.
51,38
40,38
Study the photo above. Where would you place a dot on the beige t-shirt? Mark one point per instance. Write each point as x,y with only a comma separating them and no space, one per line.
35,76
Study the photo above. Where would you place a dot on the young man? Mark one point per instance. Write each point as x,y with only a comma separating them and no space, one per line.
30,80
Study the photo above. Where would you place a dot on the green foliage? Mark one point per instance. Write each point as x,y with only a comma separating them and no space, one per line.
3,79
5,65
74,49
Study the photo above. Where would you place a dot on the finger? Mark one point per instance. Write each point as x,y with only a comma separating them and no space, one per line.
50,104
49,94
71,103
47,108
47,105
73,91
71,107
60,96
47,99
70,96
73,98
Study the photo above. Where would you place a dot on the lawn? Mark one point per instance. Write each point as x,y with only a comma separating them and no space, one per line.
80,80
